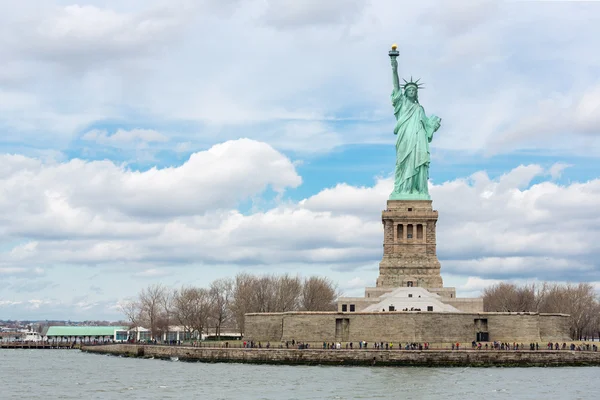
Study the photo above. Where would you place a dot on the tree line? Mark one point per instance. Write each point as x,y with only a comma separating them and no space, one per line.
226,301
580,301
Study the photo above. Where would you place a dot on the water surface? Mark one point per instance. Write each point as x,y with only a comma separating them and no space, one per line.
71,374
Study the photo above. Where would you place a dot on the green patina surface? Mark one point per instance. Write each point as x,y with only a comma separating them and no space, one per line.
414,131
61,331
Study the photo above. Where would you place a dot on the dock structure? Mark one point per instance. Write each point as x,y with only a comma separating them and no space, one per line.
63,337
39,345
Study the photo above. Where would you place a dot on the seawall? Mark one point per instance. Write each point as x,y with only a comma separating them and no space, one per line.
416,358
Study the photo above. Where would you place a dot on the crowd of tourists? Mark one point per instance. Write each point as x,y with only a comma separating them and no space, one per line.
376,346
572,347
532,346
496,345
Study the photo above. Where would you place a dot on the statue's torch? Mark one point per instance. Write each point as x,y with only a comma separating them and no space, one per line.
394,52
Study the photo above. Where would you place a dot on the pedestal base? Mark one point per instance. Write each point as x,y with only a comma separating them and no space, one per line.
409,245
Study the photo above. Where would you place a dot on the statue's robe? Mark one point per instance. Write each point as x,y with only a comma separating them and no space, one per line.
414,131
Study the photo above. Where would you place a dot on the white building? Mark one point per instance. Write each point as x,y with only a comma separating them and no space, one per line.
412,298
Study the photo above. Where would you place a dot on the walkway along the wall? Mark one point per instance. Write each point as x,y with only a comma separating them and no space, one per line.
425,358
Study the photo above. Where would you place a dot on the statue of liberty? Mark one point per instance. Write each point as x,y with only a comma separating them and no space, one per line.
414,131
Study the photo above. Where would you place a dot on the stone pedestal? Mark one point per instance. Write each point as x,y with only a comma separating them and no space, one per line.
409,245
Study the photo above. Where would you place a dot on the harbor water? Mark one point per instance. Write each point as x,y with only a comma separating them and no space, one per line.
71,374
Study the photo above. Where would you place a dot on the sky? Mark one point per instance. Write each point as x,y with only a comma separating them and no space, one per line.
182,141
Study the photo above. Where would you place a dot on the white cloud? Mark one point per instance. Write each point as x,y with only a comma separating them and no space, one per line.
555,118
502,227
12,270
183,147
305,77
304,136
85,305
356,283
4,303
87,31
45,308
460,16
553,224
478,284
65,197
66,64
230,69
557,169
37,303
285,14
508,266
102,214
587,111
489,229
21,272
124,137
364,201
151,273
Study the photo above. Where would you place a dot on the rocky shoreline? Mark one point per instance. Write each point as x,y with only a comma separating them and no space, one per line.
400,358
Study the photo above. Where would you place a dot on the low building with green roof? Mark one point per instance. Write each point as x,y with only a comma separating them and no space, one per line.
87,332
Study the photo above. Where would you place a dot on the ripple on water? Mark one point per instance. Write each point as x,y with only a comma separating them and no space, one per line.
69,374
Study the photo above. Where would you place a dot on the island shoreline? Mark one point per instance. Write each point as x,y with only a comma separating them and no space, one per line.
356,357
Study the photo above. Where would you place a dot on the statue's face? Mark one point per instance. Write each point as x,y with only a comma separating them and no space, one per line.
411,92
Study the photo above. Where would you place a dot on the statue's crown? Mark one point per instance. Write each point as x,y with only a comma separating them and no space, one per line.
412,83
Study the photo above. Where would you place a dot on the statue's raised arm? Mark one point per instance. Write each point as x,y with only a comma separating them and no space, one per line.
393,55
414,131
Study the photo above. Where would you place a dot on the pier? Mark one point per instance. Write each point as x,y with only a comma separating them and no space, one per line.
38,345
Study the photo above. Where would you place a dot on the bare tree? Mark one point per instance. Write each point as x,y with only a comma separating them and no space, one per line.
264,297
242,297
166,312
132,311
593,329
579,301
506,297
318,294
596,323
184,307
220,295
269,293
202,311
192,308
151,301
540,293
289,289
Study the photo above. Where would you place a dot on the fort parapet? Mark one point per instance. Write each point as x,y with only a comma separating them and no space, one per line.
399,326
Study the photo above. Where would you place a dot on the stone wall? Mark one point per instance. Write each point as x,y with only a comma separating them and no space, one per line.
554,325
469,305
442,358
405,327
267,325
